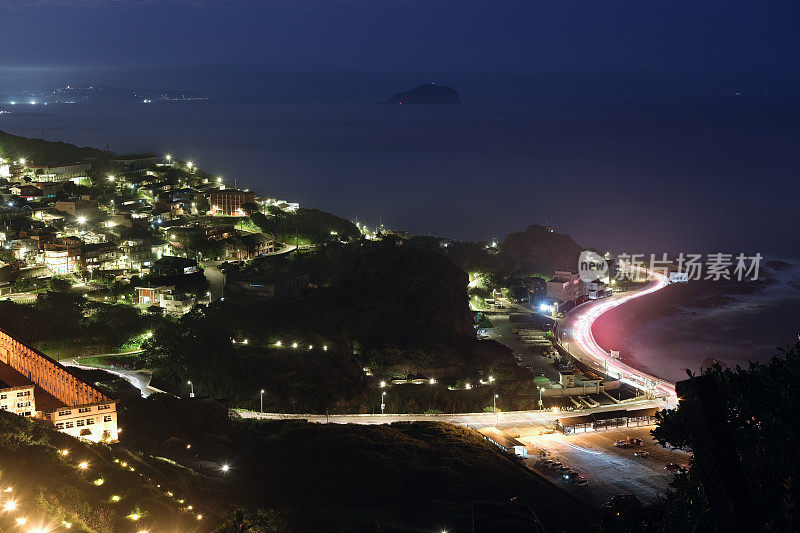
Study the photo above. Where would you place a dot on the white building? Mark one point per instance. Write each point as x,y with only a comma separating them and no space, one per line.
91,422
564,287
18,400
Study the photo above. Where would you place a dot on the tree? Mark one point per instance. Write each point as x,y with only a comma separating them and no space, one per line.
202,205
742,426
249,208
59,284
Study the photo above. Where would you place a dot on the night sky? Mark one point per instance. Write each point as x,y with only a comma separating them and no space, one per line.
709,47
319,52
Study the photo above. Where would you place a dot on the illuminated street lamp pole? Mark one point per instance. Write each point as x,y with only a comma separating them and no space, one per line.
191,394
494,408
540,397
383,405
262,401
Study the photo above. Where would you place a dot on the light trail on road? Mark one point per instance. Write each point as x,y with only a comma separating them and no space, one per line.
578,329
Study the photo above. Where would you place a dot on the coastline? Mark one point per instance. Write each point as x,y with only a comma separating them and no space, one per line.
686,326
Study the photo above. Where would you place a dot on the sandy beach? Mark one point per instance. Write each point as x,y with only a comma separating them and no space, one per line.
685,326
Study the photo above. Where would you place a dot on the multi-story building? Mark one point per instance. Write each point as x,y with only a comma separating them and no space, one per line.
47,390
250,246
564,287
597,289
139,253
99,256
64,257
84,206
230,202
86,421
63,172
165,297
29,192
18,400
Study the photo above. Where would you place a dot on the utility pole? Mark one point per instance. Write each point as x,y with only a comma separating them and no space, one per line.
383,405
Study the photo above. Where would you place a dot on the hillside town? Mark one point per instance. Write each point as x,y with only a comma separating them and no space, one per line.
103,221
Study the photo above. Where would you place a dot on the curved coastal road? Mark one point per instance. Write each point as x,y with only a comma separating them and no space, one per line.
576,337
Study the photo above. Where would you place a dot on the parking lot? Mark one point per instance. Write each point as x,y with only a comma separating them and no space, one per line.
609,470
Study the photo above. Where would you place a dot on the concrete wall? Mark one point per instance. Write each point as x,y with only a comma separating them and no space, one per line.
573,391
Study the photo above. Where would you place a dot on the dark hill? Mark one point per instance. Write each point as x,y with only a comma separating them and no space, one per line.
41,152
427,94
537,250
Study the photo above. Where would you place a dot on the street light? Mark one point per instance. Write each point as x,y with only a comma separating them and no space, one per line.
383,405
191,394
540,396
262,401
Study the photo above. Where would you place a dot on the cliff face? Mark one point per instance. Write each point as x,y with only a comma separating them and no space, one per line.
430,94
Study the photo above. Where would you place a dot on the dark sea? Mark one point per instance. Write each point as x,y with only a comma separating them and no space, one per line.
626,176
655,176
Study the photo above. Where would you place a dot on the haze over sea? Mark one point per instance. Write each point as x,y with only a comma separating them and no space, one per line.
612,174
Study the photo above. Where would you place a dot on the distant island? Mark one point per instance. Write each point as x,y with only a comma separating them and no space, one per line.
430,94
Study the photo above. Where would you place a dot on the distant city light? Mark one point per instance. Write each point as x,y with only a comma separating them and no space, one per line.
83,465
81,220
225,468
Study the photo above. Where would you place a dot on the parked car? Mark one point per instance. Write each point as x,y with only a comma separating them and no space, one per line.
641,453
571,475
673,467
628,442
580,481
